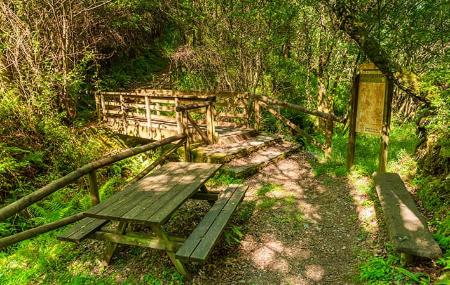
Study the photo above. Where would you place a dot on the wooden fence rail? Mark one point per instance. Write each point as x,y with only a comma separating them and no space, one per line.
271,101
88,169
53,186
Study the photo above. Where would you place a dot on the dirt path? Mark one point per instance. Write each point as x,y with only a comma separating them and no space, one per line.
296,229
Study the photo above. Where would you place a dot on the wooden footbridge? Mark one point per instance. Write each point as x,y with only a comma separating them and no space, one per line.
157,114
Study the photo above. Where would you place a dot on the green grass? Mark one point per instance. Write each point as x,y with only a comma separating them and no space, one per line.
402,144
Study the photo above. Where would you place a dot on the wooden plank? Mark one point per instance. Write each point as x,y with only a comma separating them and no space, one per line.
191,107
194,176
153,106
202,228
110,201
407,227
146,189
142,117
82,229
147,204
203,249
169,94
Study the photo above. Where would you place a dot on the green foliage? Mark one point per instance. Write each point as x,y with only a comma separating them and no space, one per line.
127,71
223,178
380,270
233,235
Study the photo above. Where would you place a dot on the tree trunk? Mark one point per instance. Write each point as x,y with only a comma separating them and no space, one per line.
324,106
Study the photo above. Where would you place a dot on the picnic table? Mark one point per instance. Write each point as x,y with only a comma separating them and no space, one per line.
152,201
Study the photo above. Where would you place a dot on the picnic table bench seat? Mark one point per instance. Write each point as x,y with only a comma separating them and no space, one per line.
407,227
82,229
201,241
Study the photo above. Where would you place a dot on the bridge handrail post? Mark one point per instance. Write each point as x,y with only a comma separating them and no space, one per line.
179,117
257,110
210,121
148,116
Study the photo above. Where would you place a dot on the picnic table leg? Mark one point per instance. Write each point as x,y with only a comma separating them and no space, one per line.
205,190
157,229
112,246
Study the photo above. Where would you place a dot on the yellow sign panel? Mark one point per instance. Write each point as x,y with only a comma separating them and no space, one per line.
371,96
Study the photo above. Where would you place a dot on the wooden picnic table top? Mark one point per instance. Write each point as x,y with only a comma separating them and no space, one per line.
155,197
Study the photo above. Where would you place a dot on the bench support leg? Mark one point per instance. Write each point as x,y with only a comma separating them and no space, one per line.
406,259
112,246
157,229
203,189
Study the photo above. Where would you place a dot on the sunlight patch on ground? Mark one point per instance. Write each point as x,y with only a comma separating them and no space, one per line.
359,190
314,272
273,255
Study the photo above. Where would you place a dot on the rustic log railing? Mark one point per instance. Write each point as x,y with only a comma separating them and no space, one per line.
159,113
152,113
266,102
89,170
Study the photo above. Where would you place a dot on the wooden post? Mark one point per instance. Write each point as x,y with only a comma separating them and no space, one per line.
122,110
246,111
210,124
257,113
103,106
179,117
185,129
98,106
352,125
384,141
93,188
148,115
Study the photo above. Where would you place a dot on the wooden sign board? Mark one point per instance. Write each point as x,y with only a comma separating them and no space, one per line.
371,100
371,110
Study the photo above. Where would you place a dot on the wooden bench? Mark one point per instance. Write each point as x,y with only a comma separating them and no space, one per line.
407,227
82,229
199,244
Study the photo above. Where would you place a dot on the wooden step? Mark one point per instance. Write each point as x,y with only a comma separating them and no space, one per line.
407,227
199,244
247,166
82,229
235,135
225,153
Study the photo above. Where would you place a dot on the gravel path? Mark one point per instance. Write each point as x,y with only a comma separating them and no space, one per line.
296,229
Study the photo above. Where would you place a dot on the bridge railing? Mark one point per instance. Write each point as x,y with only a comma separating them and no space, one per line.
153,113
88,170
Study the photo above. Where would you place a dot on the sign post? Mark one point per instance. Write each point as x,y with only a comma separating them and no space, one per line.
371,110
